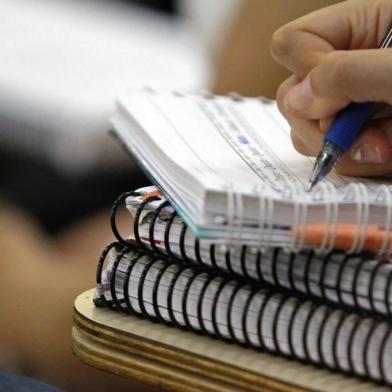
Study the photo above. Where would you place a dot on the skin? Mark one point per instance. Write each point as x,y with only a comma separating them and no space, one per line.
330,54
41,276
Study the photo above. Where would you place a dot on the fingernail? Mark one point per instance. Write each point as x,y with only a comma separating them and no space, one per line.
366,153
301,96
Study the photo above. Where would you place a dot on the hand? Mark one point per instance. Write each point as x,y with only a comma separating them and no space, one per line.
329,53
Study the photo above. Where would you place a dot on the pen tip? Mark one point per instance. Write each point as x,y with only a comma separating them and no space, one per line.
311,184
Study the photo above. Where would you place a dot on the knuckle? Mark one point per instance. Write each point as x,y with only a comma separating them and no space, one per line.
282,91
343,169
281,42
337,66
280,94
298,143
349,169
353,169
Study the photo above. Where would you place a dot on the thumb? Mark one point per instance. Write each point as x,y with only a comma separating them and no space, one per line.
342,77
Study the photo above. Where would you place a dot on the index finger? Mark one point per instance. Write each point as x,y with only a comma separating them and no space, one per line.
303,43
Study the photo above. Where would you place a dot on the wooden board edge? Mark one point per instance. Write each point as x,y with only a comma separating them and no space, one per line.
136,367
141,351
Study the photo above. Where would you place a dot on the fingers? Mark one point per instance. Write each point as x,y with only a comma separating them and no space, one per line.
342,77
372,146
356,24
306,135
328,75
371,154
300,145
348,168
306,138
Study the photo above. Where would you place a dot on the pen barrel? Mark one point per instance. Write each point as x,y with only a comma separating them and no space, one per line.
348,123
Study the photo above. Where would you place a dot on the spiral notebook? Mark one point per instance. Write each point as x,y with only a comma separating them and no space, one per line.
277,322
228,166
357,281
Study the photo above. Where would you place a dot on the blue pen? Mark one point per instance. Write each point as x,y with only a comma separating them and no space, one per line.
343,132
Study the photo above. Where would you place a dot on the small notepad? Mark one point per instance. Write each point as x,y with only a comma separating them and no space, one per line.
228,166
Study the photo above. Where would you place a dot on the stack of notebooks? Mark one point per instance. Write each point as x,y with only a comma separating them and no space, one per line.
227,243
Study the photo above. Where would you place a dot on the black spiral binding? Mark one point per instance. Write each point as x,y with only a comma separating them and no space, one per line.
243,270
305,332
116,205
275,324
290,271
200,304
173,319
321,282
133,256
212,258
259,272
339,279
184,256
155,293
371,287
215,325
101,300
274,265
230,312
140,288
167,234
118,303
197,252
308,264
128,272
366,346
388,292
288,287
152,228
320,335
383,372
248,341
228,261
184,308
351,344
335,342
260,317
136,223
113,217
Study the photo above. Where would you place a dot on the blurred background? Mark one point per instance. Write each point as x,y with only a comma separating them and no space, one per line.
63,62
